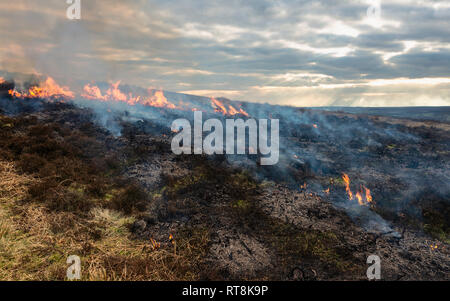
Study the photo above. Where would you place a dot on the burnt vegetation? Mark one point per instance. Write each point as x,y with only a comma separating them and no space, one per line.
76,167
135,211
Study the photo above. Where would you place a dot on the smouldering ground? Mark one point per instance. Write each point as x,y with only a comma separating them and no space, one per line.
69,187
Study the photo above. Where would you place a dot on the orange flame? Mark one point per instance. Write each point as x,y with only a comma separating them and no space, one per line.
347,185
158,100
155,245
363,198
47,89
241,111
359,198
112,94
303,187
93,92
219,107
115,94
232,111
50,89
368,195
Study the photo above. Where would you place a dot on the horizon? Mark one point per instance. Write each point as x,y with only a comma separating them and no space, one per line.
7,76
308,54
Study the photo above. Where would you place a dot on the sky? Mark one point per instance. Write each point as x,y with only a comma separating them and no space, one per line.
300,53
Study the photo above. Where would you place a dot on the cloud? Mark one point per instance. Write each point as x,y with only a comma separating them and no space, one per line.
283,52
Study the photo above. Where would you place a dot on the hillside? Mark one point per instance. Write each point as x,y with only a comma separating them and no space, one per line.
132,210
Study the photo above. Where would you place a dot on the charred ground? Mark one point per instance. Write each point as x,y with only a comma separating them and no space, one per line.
71,187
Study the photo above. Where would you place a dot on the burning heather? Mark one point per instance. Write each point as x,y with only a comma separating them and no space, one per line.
363,197
47,90
156,99
220,107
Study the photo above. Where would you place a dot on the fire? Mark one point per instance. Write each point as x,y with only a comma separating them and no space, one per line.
50,89
158,100
218,106
315,126
93,92
359,198
47,89
112,94
115,94
221,108
368,195
347,185
363,196
241,111
174,243
155,245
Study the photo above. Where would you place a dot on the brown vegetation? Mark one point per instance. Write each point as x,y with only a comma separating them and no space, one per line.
62,193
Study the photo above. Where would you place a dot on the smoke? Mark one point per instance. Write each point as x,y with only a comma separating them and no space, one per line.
316,147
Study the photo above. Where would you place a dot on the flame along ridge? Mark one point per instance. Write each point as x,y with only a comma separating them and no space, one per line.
50,89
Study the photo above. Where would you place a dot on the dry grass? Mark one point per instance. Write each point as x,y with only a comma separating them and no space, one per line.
62,194
15,245
12,185
36,241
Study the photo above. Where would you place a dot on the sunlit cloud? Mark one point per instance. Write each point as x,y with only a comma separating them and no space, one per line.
282,52
214,93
